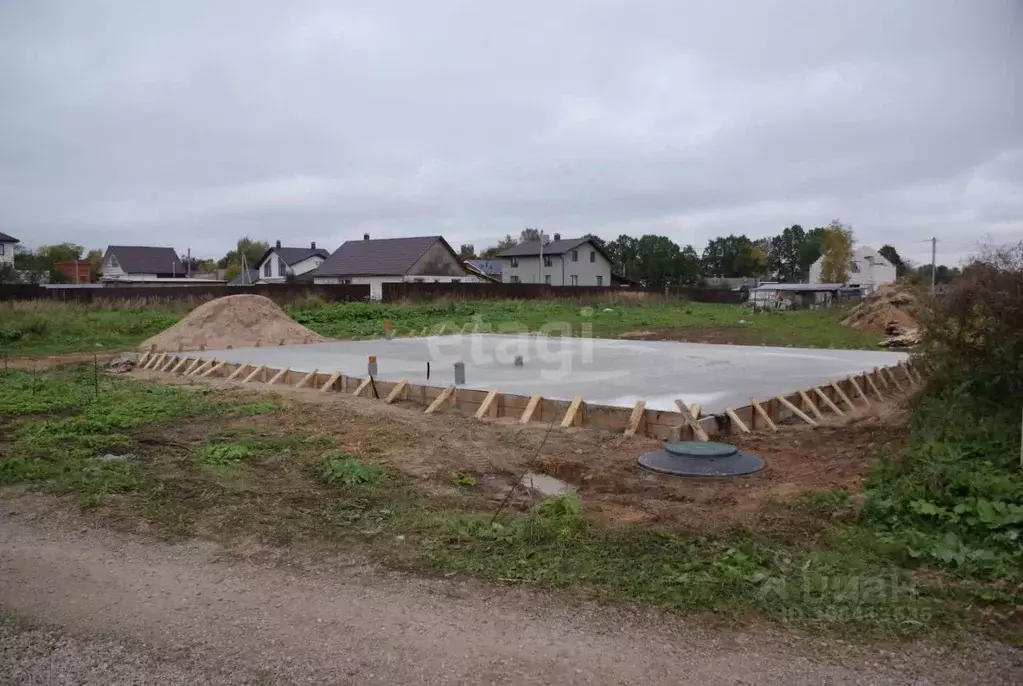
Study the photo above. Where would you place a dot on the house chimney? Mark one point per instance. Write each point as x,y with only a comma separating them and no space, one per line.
278,243
557,236
365,236
312,245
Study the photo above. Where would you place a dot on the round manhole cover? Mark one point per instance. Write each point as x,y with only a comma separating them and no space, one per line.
736,464
701,449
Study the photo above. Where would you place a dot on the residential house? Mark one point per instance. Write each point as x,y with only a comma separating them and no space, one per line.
569,262
249,277
7,243
281,264
487,270
867,270
137,263
75,271
392,260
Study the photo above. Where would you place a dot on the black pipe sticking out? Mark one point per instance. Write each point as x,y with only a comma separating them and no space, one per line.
427,371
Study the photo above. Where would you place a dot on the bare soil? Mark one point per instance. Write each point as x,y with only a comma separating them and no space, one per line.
602,465
234,321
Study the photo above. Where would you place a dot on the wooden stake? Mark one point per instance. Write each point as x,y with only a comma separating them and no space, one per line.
171,363
735,420
238,372
254,373
695,410
882,381
141,362
155,361
201,368
399,388
278,376
527,414
859,391
636,418
330,382
795,410
440,400
488,403
762,413
809,403
689,419
873,387
195,363
892,379
363,385
841,394
827,401
211,370
572,412
182,363
304,381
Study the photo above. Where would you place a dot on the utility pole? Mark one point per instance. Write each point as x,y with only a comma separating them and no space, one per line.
934,262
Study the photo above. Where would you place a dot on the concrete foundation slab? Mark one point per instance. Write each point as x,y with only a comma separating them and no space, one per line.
602,371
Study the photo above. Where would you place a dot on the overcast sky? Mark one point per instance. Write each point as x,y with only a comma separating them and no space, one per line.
192,122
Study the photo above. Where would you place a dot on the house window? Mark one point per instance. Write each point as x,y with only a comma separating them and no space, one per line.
600,280
575,280
515,279
268,268
346,281
575,255
593,256
547,279
547,261
2,248
854,267
514,262
456,280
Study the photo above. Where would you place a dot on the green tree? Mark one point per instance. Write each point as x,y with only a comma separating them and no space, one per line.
785,254
624,256
502,245
466,251
892,255
253,251
529,235
95,258
658,259
836,249
751,261
810,251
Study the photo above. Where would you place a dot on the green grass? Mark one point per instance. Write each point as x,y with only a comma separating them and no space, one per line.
51,328
883,567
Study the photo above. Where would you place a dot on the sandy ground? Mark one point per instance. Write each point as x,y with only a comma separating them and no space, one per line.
87,606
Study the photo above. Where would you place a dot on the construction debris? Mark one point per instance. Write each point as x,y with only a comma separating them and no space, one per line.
893,309
234,321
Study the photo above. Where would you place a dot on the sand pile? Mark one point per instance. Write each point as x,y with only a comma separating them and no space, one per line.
892,309
236,321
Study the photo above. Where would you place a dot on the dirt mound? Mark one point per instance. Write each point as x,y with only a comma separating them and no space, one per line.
892,309
235,321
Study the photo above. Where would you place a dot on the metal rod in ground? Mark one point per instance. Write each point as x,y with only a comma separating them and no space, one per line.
525,469
373,385
95,373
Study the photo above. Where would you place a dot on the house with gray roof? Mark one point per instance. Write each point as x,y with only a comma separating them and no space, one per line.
140,263
7,243
280,264
568,262
392,260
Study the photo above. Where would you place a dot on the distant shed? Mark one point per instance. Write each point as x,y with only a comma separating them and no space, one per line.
784,296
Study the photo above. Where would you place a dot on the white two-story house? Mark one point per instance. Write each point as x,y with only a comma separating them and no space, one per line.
867,270
7,243
569,262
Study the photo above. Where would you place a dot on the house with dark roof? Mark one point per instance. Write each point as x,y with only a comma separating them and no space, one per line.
7,243
392,260
140,263
280,264
568,262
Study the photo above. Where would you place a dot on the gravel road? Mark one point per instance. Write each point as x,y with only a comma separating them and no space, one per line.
87,606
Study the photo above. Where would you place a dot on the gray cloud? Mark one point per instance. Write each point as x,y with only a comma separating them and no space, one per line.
190,123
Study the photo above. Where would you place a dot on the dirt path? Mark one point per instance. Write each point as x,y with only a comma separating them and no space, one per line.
86,606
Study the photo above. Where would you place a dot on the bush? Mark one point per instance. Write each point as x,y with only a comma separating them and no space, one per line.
955,497
343,469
